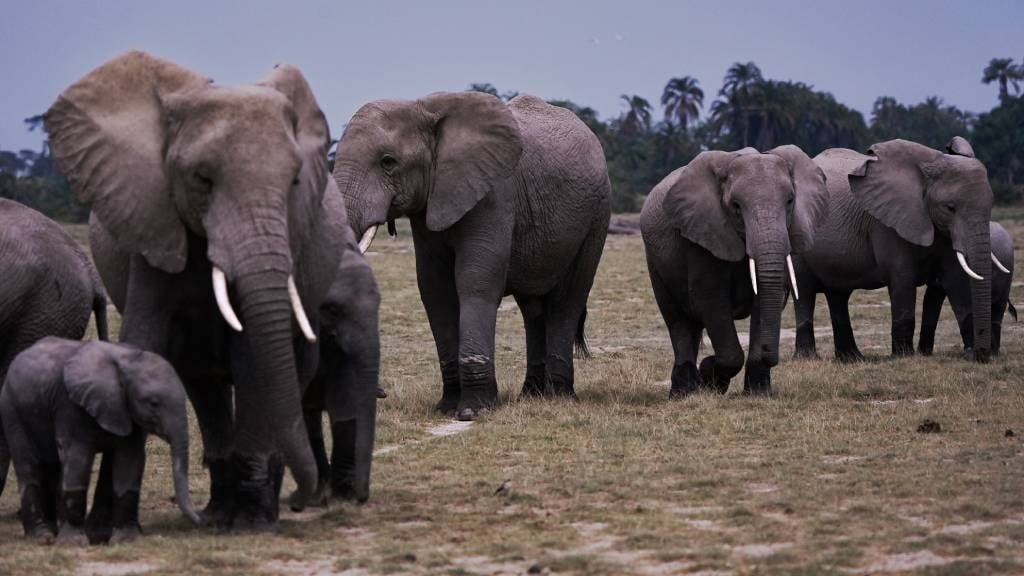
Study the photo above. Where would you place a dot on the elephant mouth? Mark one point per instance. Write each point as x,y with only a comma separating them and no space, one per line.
371,233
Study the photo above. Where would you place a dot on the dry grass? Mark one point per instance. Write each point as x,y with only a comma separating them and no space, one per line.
828,476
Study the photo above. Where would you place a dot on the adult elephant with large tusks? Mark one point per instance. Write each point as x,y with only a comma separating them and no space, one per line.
203,196
502,199
719,234
888,206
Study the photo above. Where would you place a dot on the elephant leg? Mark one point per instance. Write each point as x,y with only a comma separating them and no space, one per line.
479,392
534,322
210,396
903,295
842,330
756,376
129,465
76,462
803,309
99,524
565,309
435,274
931,309
312,413
31,476
352,405
685,334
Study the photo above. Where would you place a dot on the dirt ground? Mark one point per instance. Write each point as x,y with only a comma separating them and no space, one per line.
829,476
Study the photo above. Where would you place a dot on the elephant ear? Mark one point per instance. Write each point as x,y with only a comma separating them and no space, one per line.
477,143
890,186
694,203
960,146
93,381
313,137
811,196
107,134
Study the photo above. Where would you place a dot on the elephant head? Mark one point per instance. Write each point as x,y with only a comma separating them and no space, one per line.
917,191
166,158
439,155
121,387
760,206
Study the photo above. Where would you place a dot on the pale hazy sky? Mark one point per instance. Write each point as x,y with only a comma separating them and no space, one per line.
587,51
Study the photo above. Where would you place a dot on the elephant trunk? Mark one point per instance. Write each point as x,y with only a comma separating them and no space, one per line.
179,467
772,276
366,202
979,257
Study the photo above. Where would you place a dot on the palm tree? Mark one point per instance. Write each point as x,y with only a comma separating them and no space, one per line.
1005,72
741,82
682,99
485,87
638,116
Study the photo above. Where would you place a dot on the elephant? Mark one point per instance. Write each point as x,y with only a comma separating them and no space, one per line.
50,288
887,209
949,280
719,235
502,199
346,381
63,402
201,194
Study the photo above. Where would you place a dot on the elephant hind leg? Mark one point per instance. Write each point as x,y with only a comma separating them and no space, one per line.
842,330
565,308
532,309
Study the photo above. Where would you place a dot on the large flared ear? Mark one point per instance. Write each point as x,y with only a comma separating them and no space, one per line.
313,137
960,146
810,203
93,381
693,201
890,185
477,142
108,133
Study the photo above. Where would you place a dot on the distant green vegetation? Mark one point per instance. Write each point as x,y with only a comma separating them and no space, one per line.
643,145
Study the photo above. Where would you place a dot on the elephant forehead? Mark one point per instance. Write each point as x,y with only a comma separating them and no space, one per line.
762,172
239,104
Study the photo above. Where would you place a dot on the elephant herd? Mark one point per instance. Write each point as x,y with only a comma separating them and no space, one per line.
208,199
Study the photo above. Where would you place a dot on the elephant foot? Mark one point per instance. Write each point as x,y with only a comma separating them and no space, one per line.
469,414
320,498
41,537
563,386
712,377
124,534
448,405
218,510
685,380
256,493
805,354
72,537
536,382
757,381
979,356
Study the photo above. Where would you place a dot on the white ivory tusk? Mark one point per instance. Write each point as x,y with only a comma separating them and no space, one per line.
792,276
753,276
220,293
999,264
300,313
967,269
367,239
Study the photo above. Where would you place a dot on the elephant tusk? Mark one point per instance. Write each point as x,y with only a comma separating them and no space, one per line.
753,276
967,269
300,313
792,276
220,293
367,239
999,264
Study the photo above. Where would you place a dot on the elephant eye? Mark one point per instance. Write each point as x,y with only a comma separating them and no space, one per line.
951,208
388,162
203,180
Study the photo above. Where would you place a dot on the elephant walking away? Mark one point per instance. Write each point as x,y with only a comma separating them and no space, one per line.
952,282
887,209
719,234
503,199
50,288
66,401
205,197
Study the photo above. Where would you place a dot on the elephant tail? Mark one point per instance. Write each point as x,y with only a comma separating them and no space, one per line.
580,340
99,309
1012,310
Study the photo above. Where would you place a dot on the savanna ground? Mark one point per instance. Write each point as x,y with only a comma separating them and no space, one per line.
828,476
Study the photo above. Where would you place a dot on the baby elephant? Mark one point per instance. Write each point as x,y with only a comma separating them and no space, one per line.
63,402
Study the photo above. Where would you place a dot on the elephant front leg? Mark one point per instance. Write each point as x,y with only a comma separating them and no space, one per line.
903,296
76,461
842,329
129,462
479,389
931,309
435,275
806,346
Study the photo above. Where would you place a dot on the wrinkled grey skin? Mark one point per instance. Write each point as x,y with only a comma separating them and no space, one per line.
701,225
49,289
887,209
950,281
183,175
503,199
65,401
346,381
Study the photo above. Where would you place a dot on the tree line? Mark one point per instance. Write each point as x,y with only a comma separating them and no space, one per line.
645,142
